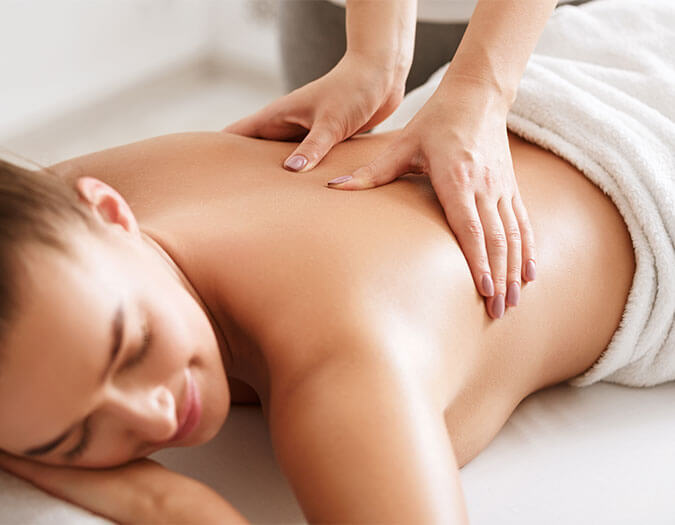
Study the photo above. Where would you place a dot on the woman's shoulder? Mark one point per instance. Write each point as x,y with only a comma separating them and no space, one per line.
359,338
148,150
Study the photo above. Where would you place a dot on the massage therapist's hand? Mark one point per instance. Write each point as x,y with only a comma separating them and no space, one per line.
357,94
459,139
142,491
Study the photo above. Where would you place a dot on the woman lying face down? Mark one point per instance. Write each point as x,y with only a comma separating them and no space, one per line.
103,337
352,315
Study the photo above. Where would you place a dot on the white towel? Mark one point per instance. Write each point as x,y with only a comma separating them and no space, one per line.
599,91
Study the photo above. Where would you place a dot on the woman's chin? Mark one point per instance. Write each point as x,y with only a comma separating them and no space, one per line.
211,433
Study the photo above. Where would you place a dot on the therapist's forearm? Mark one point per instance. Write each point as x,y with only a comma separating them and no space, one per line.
384,31
498,42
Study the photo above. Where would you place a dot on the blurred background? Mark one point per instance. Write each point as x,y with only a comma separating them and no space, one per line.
80,75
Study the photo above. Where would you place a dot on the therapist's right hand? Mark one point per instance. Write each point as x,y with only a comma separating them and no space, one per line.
353,97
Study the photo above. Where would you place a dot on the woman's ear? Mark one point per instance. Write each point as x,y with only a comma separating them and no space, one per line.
106,204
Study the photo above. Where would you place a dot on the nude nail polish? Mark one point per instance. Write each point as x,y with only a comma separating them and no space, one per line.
498,306
340,180
488,287
513,294
530,270
296,162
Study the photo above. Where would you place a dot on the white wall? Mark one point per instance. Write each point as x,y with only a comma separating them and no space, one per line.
245,31
61,55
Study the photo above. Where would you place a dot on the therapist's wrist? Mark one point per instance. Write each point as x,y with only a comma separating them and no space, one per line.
476,90
384,32
387,72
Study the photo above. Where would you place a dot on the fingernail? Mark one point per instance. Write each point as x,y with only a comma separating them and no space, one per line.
498,306
488,287
513,294
530,270
340,180
296,162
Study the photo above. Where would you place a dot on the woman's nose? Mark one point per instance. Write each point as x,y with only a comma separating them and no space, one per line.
149,413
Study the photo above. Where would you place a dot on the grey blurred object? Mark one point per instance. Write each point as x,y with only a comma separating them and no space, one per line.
312,40
264,11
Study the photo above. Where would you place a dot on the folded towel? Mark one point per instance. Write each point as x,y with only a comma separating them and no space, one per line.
599,91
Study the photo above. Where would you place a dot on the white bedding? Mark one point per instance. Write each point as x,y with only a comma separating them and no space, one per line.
600,455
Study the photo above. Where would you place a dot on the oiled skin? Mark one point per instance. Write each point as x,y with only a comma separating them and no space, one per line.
293,270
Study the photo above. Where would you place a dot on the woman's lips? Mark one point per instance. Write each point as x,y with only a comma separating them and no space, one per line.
191,413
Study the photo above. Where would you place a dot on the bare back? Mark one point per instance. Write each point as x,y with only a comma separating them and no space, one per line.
293,268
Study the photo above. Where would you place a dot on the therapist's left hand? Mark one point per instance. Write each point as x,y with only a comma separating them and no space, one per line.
459,139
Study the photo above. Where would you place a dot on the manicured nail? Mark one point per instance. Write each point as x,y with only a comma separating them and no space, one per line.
498,306
530,270
488,287
296,162
340,180
513,294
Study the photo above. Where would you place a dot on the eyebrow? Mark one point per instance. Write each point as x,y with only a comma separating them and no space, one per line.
117,336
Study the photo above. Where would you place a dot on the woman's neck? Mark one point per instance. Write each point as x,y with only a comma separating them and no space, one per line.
226,350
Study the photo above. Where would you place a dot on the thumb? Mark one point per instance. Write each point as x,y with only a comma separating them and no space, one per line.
262,125
319,141
247,126
390,165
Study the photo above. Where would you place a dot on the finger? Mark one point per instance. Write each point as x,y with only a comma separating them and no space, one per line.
465,223
495,242
123,498
394,162
321,138
266,125
529,255
383,111
247,126
514,254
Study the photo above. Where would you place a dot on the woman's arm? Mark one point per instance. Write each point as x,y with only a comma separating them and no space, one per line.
142,491
361,443
498,42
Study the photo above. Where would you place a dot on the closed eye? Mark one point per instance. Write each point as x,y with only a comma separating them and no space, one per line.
79,449
142,352
137,358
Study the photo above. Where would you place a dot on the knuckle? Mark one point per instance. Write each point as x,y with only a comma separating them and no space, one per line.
316,141
480,266
514,270
474,229
489,177
462,177
500,282
513,235
529,239
498,239
525,234
341,125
